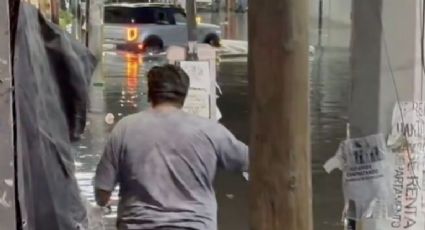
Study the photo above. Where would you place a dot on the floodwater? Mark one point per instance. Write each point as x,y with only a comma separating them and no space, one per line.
123,92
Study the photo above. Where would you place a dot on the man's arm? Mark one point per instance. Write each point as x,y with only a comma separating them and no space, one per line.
233,154
106,176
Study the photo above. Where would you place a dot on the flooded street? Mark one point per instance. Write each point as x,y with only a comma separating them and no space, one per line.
123,92
329,107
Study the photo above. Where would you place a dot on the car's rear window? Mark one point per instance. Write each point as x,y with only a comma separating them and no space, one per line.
128,15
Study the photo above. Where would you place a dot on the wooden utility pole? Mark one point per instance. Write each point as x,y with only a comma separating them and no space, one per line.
191,29
55,11
281,196
7,171
45,7
74,5
191,20
94,35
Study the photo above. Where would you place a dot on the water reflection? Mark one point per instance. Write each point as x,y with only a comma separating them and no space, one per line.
330,87
131,95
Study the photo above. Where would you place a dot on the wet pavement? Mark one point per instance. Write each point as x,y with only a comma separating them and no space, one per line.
329,107
123,92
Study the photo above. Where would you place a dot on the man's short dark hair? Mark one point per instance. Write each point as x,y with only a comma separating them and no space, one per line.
167,84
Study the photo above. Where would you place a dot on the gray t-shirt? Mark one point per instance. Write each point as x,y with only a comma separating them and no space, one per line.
165,164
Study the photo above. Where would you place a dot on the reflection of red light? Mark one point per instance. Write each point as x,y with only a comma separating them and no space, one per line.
132,84
132,69
129,57
133,64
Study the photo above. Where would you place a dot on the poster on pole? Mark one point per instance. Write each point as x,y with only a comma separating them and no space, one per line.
197,103
366,176
409,121
366,168
199,74
407,183
198,100
407,140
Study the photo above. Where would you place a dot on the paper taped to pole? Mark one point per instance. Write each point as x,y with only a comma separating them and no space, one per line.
409,121
366,167
198,101
199,74
407,141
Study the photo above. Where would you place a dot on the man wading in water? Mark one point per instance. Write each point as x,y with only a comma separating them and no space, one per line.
165,161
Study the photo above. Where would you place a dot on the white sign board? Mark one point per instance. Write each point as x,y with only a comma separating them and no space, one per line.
198,100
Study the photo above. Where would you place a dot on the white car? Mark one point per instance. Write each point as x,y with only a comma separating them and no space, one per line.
204,4
140,27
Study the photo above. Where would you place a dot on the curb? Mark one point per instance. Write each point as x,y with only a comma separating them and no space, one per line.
242,55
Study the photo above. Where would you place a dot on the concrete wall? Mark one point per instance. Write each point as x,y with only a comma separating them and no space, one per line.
380,52
398,57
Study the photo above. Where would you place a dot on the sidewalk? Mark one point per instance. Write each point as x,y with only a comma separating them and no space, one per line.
233,48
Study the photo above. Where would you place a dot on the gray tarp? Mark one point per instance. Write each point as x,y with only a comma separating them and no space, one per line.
52,78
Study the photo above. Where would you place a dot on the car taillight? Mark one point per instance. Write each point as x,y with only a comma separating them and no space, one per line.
132,34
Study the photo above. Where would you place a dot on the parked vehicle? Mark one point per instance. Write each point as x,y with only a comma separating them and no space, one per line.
204,4
143,27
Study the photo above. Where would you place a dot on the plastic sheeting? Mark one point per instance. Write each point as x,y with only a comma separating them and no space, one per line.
52,78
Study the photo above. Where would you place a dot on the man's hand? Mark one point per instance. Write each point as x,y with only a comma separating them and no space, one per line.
246,175
102,197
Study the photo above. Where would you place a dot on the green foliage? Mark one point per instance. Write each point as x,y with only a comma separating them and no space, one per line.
65,18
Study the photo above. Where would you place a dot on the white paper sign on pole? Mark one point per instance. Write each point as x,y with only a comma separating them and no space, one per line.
202,93
199,73
367,181
365,164
198,100
408,125
409,119
407,179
